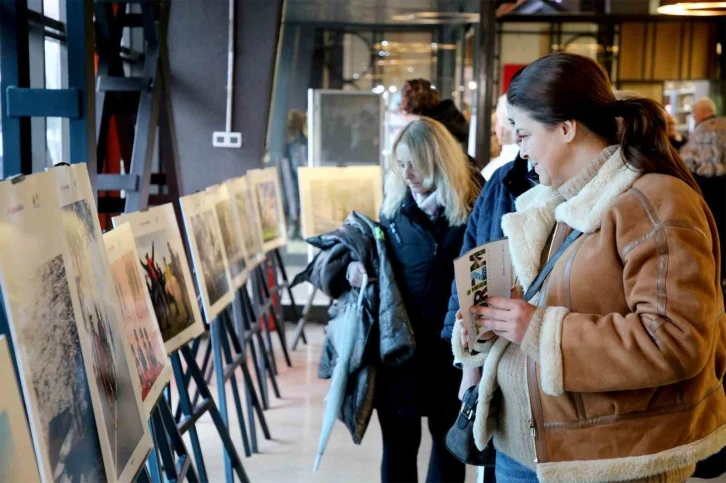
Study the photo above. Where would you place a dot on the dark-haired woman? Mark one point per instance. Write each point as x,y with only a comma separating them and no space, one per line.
613,370
420,98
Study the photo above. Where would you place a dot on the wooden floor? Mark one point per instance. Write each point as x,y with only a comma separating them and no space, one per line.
295,422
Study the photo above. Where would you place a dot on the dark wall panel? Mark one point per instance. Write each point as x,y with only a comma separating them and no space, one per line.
198,53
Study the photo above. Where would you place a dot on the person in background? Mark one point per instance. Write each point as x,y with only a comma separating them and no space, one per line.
430,189
495,149
506,139
505,185
674,136
296,155
623,349
705,156
420,98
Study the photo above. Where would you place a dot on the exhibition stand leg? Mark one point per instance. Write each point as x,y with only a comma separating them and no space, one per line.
254,324
207,405
265,299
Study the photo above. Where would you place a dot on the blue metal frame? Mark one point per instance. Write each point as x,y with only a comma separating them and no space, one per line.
22,102
14,72
76,103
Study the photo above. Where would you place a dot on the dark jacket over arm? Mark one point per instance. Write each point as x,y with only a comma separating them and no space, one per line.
383,334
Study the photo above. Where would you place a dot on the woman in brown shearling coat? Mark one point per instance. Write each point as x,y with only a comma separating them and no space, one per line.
613,371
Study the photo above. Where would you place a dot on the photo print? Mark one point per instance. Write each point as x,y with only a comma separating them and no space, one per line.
210,261
243,208
267,204
125,428
330,195
53,361
232,239
164,271
265,187
142,329
17,459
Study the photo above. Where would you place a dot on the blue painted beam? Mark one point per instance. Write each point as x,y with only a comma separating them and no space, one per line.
24,102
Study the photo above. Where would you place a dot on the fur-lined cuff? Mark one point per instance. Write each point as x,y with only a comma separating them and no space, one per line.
530,343
461,353
550,351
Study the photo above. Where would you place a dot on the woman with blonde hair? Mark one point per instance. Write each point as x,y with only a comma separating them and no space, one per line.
430,190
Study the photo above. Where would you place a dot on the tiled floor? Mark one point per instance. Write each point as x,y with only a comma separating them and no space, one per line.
295,422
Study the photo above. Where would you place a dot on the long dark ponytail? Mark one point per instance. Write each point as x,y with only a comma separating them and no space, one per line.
562,87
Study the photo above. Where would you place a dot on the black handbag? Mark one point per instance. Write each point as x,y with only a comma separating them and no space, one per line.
460,438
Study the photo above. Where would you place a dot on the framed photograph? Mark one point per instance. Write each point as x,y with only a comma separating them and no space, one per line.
329,195
152,364
171,288
53,352
210,261
232,239
245,215
17,458
346,128
123,421
265,187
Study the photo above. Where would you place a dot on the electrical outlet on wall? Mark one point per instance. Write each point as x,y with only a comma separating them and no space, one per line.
223,139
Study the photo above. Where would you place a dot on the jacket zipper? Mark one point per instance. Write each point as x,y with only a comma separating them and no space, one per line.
530,421
535,404
436,249
395,233
535,407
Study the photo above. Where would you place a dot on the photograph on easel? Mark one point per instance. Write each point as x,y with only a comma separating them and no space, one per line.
17,459
232,239
142,329
243,208
265,187
163,266
328,195
210,261
267,202
127,435
53,357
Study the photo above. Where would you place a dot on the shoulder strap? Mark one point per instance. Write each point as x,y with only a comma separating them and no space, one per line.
537,284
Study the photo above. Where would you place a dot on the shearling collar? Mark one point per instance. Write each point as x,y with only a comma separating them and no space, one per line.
539,209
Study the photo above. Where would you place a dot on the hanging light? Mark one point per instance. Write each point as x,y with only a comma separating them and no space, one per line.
691,7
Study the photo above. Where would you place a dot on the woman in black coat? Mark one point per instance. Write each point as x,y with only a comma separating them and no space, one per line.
430,191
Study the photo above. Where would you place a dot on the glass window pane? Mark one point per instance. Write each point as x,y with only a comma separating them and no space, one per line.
51,8
53,80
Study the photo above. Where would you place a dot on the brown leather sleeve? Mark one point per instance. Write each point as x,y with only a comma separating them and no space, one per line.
669,275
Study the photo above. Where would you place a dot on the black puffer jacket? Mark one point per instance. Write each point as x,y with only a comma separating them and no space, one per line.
383,336
422,253
447,114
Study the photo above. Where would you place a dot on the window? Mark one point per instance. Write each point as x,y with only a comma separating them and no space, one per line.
53,80
52,9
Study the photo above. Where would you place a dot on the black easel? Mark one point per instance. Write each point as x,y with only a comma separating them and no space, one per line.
266,308
192,414
167,441
279,265
235,360
216,347
252,320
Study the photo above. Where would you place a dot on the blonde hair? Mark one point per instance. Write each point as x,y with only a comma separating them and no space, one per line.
438,156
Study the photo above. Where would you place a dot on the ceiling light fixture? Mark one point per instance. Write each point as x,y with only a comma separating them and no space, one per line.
691,7
437,18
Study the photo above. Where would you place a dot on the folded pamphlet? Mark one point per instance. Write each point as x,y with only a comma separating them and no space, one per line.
485,271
